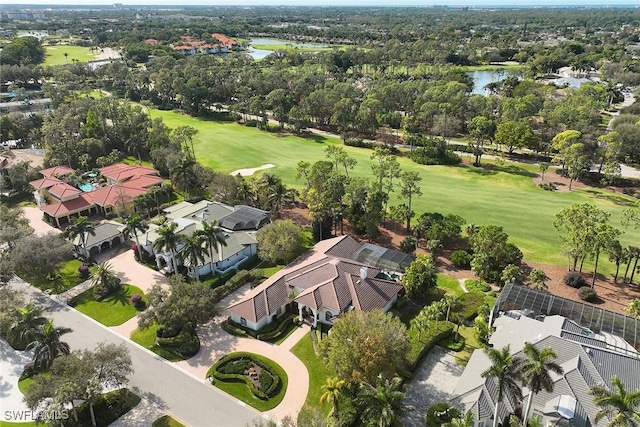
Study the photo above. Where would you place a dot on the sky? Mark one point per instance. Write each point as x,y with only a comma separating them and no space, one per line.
452,3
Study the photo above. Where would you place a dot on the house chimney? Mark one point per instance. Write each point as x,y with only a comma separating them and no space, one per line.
363,272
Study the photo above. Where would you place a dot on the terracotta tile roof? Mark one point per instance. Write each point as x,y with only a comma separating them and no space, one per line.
144,181
46,182
56,170
113,195
60,209
121,172
227,41
62,189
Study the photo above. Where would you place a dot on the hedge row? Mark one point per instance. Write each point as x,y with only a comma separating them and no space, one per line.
262,362
427,340
236,281
186,343
470,304
271,332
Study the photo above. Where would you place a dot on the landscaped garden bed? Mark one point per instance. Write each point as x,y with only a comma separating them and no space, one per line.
66,277
174,349
113,310
273,332
254,379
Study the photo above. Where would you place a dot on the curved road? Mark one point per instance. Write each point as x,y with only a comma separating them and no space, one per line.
171,388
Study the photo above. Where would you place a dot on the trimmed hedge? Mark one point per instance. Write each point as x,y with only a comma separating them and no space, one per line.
271,332
477,286
262,362
187,344
234,281
429,338
470,303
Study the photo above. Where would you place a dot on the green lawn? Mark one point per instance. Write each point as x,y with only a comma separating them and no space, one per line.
292,46
55,54
318,372
166,421
147,339
67,279
462,357
240,390
449,284
499,193
113,310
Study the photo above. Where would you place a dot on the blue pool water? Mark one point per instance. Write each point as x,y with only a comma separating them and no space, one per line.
85,186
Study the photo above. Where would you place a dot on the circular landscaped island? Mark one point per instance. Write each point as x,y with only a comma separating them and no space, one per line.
254,379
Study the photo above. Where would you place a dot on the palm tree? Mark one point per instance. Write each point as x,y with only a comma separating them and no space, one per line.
420,322
46,345
134,224
622,407
103,275
168,240
279,195
382,403
535,372
29,319
465,421
213,236
332,389
81,228
505,370
539,279
193,249
184,175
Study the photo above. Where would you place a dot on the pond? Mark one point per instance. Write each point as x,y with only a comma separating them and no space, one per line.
262,53
483,78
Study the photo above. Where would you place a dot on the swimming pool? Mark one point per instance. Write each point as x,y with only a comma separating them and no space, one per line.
86,187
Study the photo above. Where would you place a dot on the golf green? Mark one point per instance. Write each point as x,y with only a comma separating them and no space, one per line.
504,194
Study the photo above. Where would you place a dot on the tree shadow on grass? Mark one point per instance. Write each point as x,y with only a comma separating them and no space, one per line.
320,139
122,297
614,198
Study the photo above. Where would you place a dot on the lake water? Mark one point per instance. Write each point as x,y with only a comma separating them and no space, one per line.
262,53
483,78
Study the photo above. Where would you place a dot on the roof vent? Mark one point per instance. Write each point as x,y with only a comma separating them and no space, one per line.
363,272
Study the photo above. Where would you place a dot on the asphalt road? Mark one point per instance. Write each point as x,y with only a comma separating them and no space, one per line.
175,391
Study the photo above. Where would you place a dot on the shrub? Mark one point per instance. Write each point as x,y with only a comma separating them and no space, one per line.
470,303
441,413
189,349
574,279
477,286
429,338
260,361
547,186
235,367
408,245
461,258
265,381
83,270
137,301
587,293
101,290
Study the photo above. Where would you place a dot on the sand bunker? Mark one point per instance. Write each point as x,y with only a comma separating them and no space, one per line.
251,171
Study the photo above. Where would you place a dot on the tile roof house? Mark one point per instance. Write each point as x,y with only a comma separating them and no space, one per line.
323,283
61,201
587,359
241,243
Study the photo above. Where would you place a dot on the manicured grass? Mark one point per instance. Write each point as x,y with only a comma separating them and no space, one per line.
318,373
18,424
147,339
449,284
166,421
132,160
292,46
55,54
501,193
24,384
240,390
113,310
463,356
493,67
68,278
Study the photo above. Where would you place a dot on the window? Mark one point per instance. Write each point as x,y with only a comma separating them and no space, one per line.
243,321
328,315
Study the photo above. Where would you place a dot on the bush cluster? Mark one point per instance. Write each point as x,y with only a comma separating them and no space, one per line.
587,293
235,367
574,279
271,332
265,380
83,271
237,280
441,413
547,186
477,286
461,258
428,339
272,389
137,301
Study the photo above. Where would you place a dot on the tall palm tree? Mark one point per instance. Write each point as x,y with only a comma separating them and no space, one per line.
81,228
184,174
168,240
103,275
535,372
194,250
134,224
382,403
505,369
28,320
46,345
213,236
332,389
622,407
